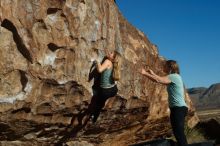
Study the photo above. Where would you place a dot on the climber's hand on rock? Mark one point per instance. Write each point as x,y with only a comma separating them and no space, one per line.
143,71
151,72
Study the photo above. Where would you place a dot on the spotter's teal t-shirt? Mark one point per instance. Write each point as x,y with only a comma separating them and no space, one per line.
176,91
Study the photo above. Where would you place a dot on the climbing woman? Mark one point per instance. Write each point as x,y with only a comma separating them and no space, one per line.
108,87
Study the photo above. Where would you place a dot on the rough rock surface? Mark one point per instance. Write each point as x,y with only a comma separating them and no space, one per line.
45,52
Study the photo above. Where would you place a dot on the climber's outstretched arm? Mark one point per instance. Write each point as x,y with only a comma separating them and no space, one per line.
151,75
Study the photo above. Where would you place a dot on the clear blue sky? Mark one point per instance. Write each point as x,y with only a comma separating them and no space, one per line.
184,30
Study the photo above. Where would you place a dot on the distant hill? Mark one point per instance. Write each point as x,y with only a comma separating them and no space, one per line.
206,98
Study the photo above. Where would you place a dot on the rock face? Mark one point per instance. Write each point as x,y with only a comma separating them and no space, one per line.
45,52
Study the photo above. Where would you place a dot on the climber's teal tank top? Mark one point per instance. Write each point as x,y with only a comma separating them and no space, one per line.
106,79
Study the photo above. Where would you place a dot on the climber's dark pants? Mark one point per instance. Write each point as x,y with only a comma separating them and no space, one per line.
103,95
177,118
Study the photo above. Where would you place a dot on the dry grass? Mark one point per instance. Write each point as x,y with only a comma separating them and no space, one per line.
194,135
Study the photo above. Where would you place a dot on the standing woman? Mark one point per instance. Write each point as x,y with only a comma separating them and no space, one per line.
177,104
108,87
